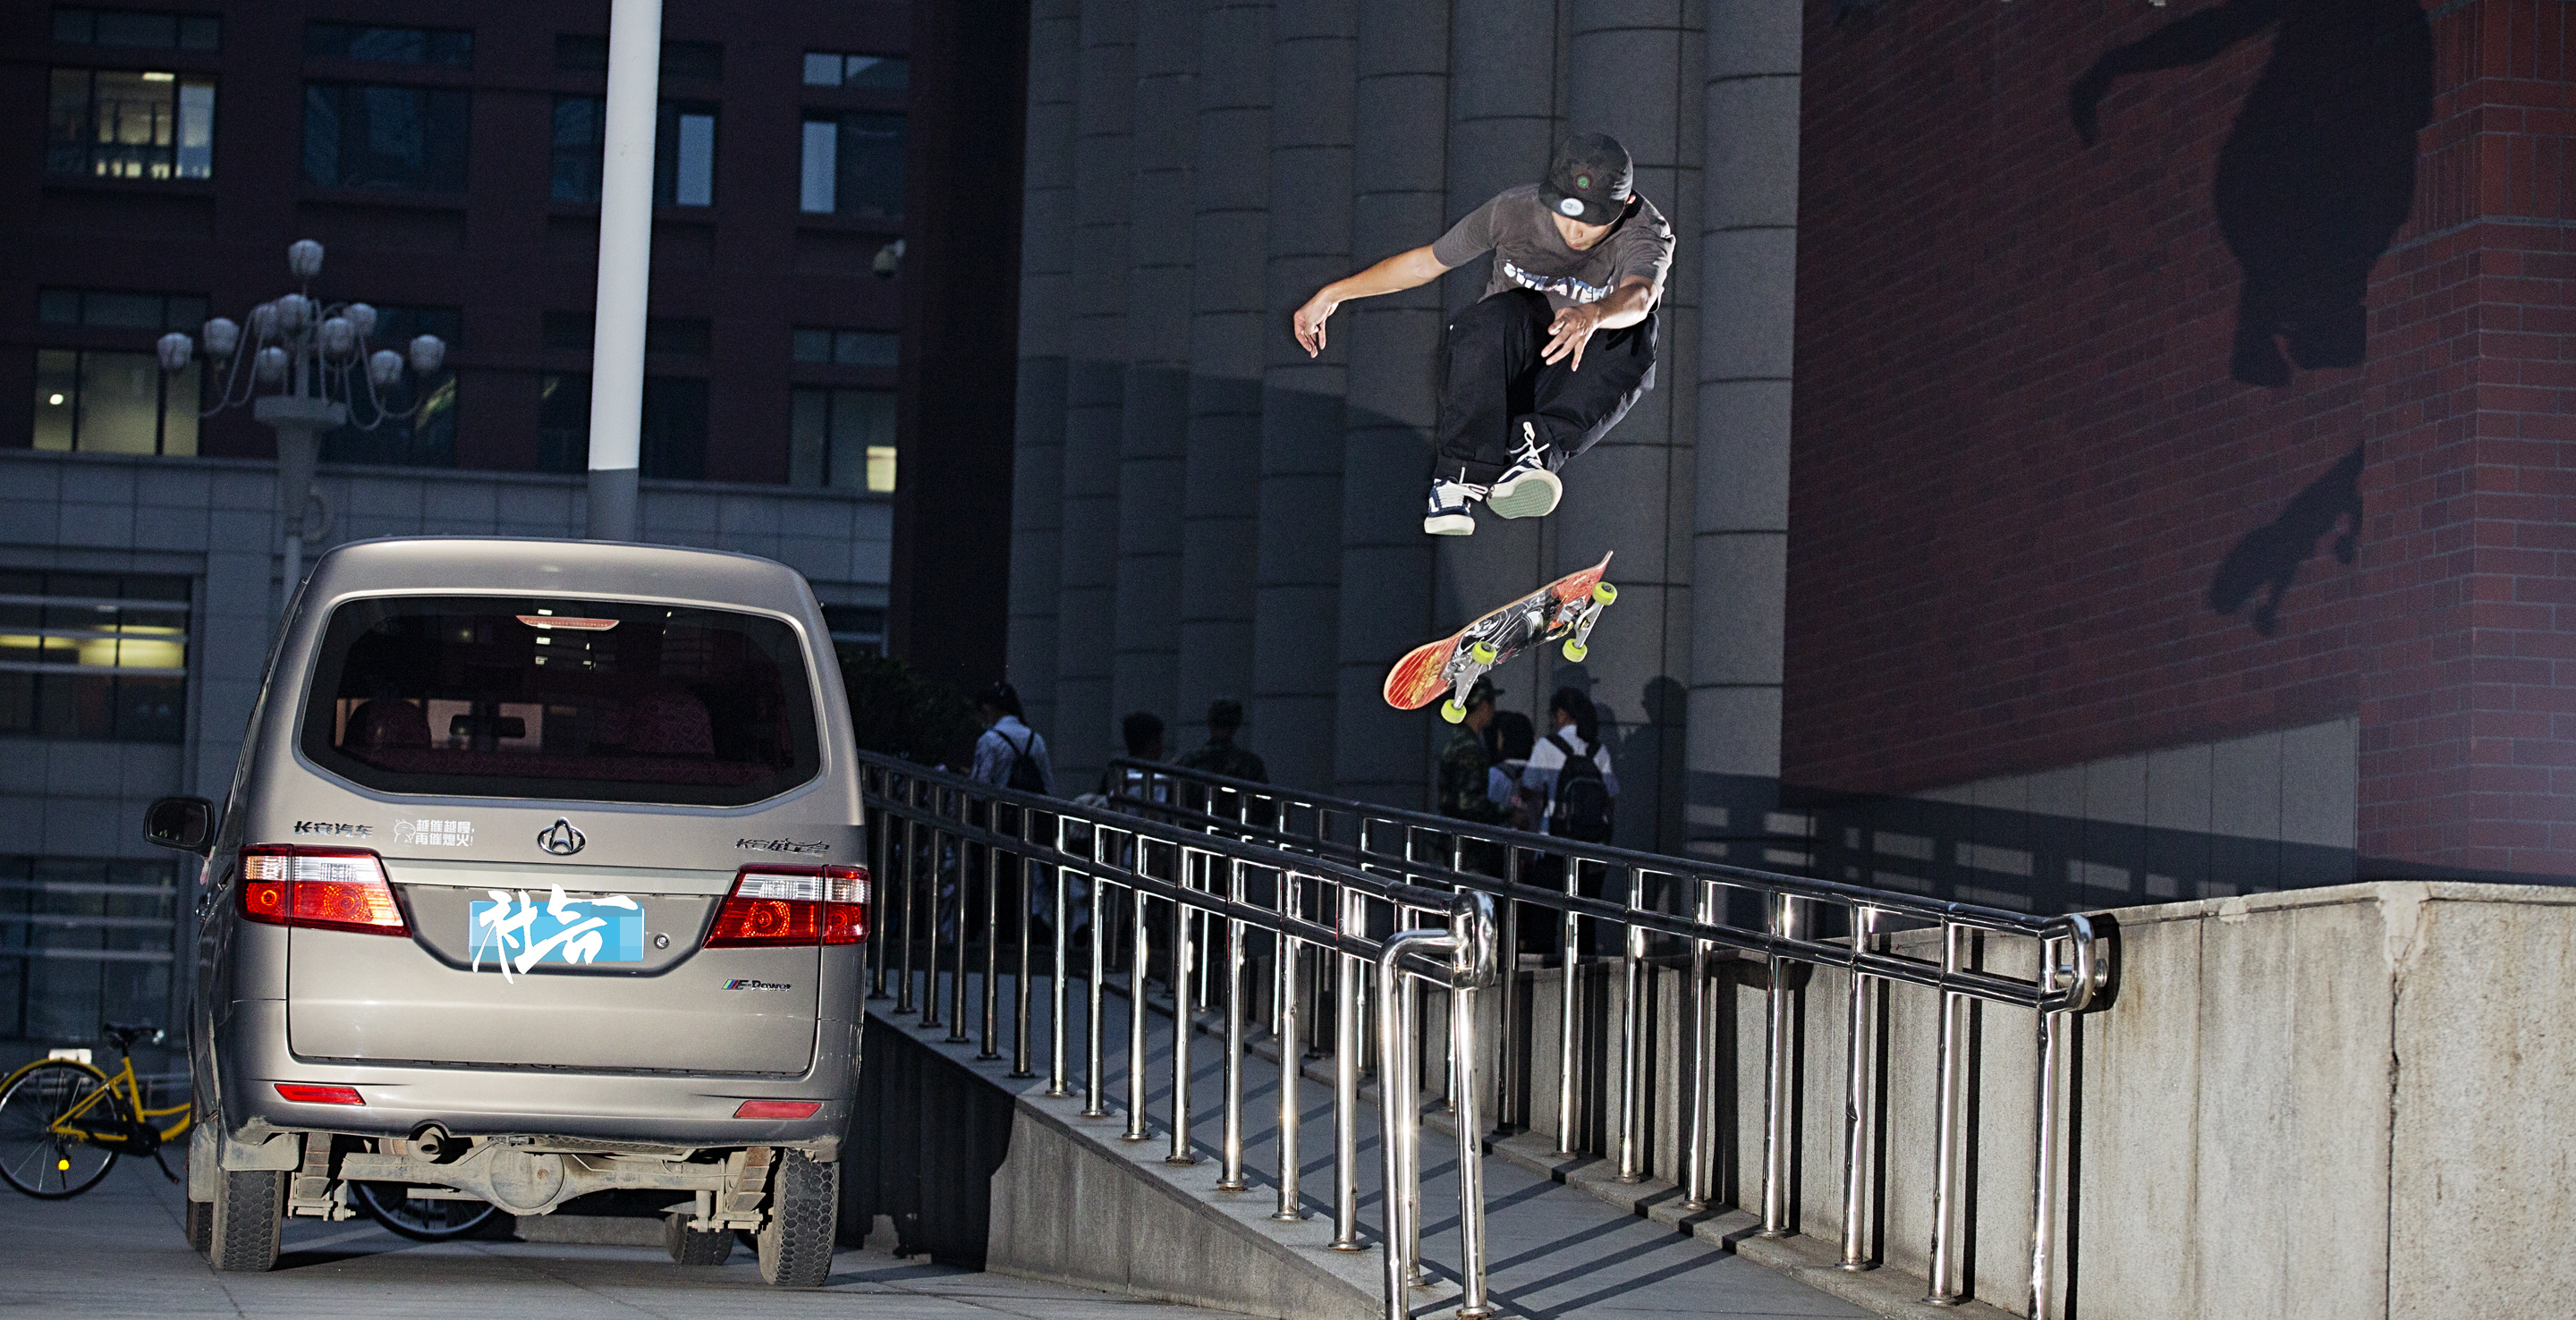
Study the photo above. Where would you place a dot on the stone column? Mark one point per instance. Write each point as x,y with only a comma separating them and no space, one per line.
1046,306
1634,72
1505,103
1739,543
1297,599
1221,499
1153,434
1401,97
1095,390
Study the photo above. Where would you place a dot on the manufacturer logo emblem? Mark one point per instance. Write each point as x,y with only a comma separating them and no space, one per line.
561,838
749,984
1570,206
782,846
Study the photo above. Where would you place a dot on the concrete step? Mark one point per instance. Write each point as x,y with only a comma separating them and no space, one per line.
1075,1202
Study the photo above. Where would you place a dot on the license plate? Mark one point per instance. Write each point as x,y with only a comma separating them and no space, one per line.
527,930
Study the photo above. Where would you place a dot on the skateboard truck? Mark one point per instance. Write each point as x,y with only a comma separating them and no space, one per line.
1575,647
1480,657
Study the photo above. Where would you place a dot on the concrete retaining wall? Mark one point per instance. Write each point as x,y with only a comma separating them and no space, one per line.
2346,1102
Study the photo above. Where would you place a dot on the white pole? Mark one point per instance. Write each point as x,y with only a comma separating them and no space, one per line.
625,266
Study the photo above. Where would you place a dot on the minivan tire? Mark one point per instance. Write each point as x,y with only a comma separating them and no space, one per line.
249,1205
795,1246
690,1247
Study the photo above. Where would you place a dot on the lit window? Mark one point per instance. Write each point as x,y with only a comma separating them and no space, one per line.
843,439
852,164
95,402
93,656
115,124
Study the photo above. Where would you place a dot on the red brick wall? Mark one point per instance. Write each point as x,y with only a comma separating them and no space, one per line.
2021,463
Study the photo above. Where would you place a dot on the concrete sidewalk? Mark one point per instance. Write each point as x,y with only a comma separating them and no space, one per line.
119,1251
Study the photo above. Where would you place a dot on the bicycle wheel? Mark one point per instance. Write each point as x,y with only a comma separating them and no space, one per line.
421,1218
43,1163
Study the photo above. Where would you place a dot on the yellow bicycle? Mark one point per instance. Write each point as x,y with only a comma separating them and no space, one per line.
64,1122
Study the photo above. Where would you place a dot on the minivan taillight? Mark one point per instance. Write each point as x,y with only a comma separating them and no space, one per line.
779,906
320,888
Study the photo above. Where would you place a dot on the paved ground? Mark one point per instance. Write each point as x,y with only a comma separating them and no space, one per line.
119,1251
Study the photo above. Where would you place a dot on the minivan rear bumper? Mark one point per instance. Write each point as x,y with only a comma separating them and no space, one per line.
653,1108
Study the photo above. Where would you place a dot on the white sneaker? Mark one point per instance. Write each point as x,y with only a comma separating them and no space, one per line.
1448,514
1527,488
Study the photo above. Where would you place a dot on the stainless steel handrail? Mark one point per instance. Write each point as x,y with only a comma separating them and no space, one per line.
1801,921
934,836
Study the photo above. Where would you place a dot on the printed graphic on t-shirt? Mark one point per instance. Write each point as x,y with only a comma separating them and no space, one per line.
1562,286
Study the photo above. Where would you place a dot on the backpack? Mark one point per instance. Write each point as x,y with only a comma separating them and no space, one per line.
1024,776
1580,807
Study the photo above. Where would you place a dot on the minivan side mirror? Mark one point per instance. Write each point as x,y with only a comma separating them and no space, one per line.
184,823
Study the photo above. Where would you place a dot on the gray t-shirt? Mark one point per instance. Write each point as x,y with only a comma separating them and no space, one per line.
1530,254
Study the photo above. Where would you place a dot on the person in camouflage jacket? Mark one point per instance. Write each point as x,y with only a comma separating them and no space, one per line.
1220,756
1465,761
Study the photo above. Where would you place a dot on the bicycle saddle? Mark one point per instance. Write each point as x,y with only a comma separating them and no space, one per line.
122,1035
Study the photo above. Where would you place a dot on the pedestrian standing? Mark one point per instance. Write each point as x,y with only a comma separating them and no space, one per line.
1220,755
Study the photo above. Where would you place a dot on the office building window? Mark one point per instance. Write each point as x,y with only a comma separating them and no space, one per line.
389,45
843,439
578,52
684,151
848,348
116,124
674,440
96,402
852,165
136,28
93,656
406,138
889,73
85,941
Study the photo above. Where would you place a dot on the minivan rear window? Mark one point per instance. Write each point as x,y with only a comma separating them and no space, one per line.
487,696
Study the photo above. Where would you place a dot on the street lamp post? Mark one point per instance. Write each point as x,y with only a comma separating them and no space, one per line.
319,372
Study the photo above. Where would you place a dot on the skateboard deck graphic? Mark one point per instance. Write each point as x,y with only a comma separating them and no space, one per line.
1567,608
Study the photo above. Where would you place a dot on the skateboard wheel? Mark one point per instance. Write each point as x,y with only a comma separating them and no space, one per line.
1604,592
1575,651
1482,653
1451,711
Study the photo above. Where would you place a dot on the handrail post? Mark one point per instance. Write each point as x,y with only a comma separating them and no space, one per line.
1291,1051
1779,1081
1136,960
1703,1064
1508,1068
957,961
1950,1115
992,998
877,820
2043,1193
1027,871
1346,1082
1057,973
1632,1028
1857,1099
903,990
1095,1083
1230,1142
1567,964
1183,964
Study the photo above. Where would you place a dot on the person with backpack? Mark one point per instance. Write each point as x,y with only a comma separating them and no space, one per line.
1569,770
1010,754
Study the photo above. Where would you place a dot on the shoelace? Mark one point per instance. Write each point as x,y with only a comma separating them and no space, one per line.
1528,455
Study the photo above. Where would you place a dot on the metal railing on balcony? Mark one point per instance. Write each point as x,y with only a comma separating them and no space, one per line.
1688,912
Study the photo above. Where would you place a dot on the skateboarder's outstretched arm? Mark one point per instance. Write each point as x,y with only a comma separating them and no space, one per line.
1405,270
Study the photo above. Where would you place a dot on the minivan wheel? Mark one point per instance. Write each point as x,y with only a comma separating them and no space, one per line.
688,1246
804,1211
249,1204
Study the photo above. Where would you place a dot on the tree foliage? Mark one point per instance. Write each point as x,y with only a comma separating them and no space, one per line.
900,713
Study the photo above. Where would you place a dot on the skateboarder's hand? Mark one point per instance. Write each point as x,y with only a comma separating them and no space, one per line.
1310,319
1567,333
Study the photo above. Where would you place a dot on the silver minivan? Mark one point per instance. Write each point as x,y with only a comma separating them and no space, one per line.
538,878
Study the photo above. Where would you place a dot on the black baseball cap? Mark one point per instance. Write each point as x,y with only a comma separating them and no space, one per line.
1590,180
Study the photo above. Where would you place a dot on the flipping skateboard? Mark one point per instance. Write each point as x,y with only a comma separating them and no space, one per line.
1567,608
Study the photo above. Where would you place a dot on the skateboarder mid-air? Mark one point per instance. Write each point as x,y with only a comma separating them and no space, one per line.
1561,344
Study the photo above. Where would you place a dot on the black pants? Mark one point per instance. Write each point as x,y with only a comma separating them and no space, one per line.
1495,380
